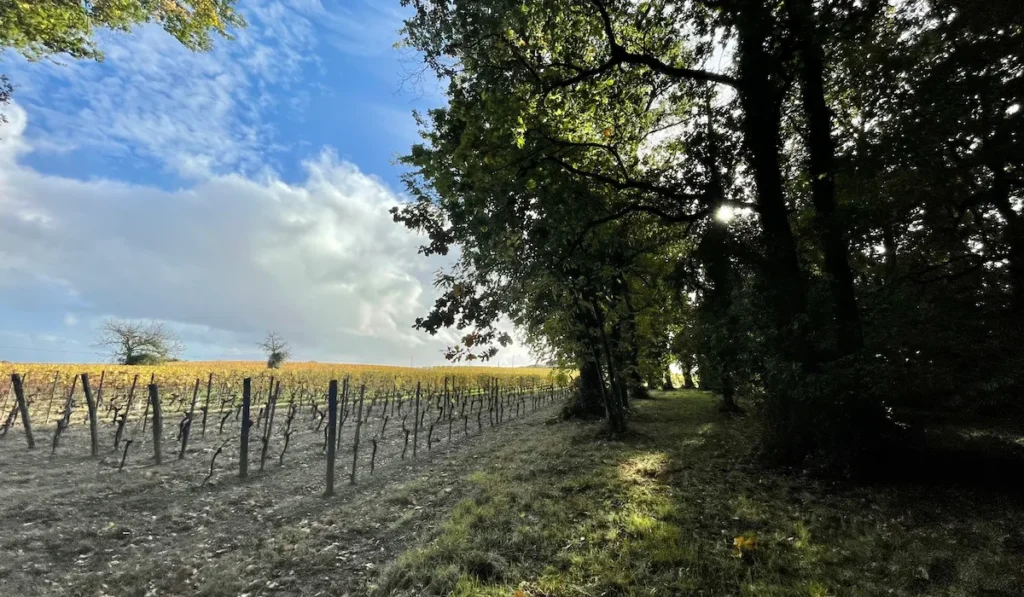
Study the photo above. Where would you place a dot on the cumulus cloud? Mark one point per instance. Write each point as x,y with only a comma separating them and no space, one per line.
226,259
238,249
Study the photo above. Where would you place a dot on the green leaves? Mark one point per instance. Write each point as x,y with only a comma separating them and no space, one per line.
41,28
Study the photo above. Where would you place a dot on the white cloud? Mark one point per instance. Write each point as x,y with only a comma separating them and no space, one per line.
238,250
225,259
152,98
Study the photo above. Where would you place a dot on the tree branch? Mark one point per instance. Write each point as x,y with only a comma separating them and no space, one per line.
628,183
619,53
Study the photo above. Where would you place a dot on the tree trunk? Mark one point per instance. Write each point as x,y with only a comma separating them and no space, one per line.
587,401
688,378
1014,235
729,396
821,150
1015,230
629,360
716,313
667,384
761,100
637,389
615,378
592,325
634,381
889,243
613,410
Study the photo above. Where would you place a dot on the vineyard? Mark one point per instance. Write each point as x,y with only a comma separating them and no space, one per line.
233,417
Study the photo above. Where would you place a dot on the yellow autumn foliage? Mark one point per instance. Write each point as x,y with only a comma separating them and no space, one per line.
48,385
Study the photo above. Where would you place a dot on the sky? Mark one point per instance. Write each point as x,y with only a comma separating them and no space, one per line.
225,194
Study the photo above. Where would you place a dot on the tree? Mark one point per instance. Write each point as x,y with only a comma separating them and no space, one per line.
934,164
139,342
874,153
41,28
48,27
276,348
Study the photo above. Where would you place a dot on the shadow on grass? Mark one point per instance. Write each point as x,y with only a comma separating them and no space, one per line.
981,455
678,508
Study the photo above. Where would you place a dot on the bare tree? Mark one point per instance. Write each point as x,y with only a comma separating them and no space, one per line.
277,349
139,342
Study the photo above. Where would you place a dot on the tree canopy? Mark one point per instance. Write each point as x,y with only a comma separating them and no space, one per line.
276,348
41,28
139,342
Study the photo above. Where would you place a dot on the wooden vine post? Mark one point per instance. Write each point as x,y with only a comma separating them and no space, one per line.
19,394
344,403
405,434
49,403
158,422
206,407
373,455
187,431
99,390
243,450
355,442
65,420
122,421
131,396
145,414
332,429
94,426
268,426
491,399
416,422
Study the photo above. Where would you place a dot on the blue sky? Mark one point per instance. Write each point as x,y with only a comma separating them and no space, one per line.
225,193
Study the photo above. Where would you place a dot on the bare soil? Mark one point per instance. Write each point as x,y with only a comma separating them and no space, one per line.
71,524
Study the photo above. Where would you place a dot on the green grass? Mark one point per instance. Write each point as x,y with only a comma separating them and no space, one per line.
680,507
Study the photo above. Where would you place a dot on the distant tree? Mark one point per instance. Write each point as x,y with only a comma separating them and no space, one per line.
277,350
139,343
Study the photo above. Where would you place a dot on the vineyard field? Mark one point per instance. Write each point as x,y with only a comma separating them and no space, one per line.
74,524
121,390
196,459
237,417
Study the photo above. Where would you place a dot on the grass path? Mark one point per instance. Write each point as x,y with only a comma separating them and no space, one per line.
680,508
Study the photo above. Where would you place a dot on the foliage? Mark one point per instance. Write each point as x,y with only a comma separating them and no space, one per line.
41,28
277,350
179,377
139,342
816,206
